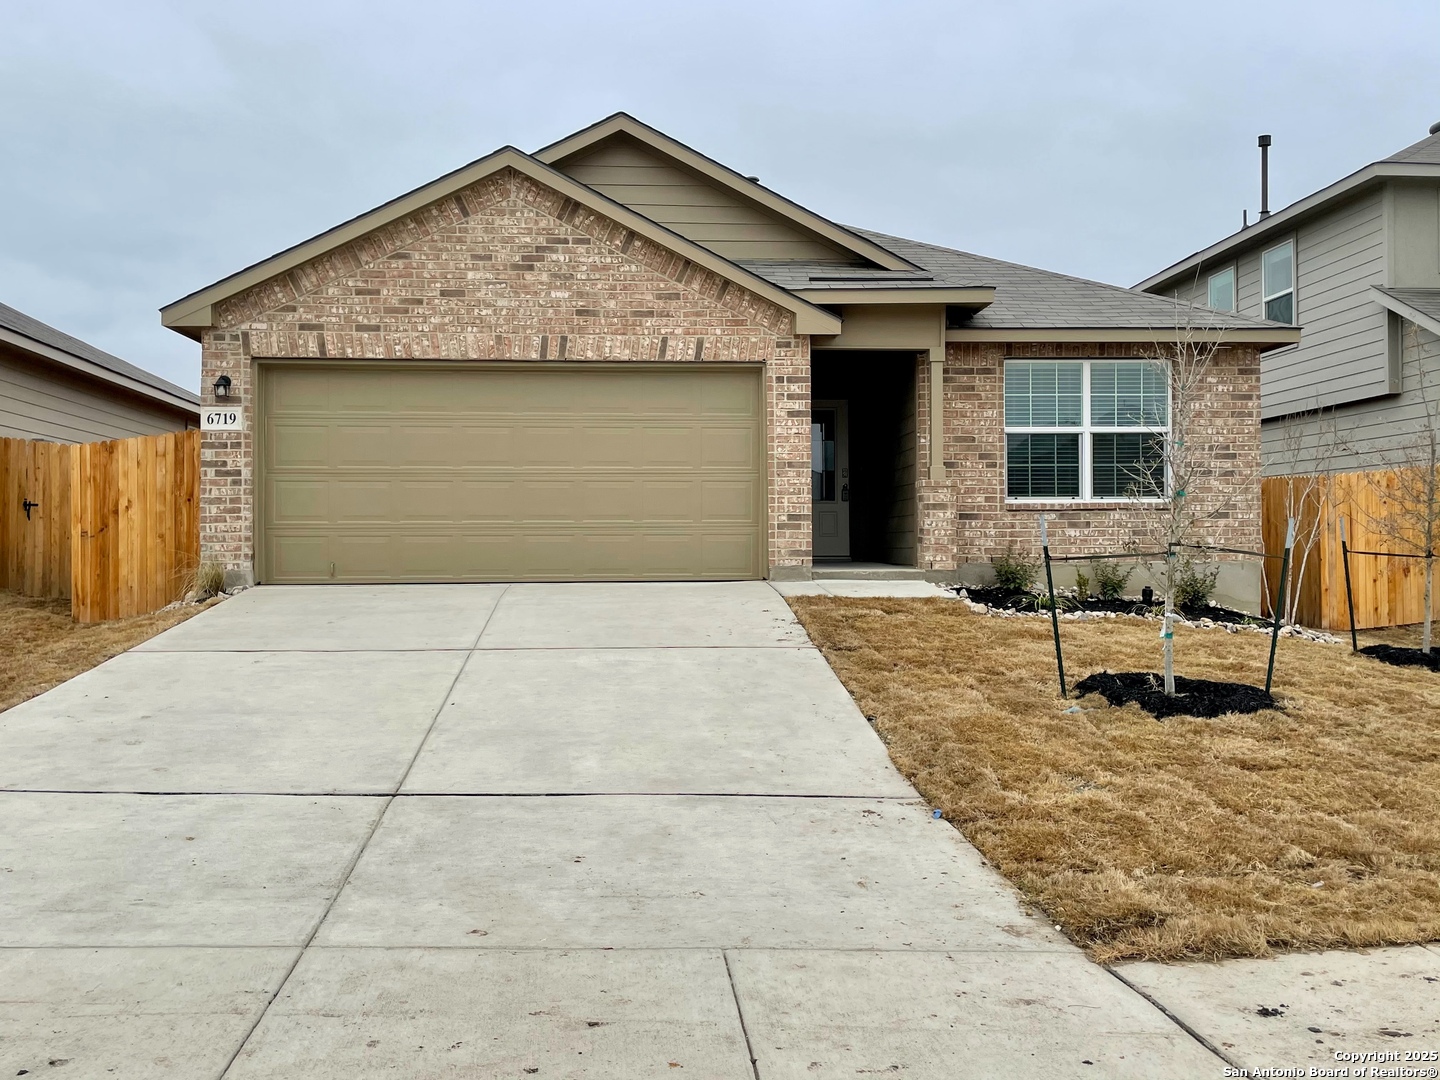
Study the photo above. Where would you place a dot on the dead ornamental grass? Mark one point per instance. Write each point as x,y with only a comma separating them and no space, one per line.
41,646
1316,827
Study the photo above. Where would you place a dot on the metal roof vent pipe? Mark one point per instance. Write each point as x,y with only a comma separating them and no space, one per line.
1264,176
1435,128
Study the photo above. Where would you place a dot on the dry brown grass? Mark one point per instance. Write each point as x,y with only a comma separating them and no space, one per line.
41,646
1315,827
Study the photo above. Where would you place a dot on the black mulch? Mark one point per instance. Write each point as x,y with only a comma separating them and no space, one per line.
1193,697
1403,657
1009,600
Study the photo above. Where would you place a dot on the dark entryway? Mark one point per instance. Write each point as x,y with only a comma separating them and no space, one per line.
875,393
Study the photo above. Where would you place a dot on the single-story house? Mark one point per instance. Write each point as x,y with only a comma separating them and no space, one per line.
60,389
616,358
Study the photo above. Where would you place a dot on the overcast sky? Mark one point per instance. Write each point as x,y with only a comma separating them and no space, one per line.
149,148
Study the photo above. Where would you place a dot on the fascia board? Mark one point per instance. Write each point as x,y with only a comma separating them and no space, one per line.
967,296
1286,218
196,310
1267,337
95,371
623,123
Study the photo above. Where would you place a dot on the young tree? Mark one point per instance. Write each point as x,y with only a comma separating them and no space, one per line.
1410,518
1190,481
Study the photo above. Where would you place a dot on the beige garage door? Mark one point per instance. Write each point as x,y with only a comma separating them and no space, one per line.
507,472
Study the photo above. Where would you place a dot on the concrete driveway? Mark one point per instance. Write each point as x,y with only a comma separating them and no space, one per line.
621,831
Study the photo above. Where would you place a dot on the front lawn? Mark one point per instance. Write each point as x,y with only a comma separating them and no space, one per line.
41,646
1313,827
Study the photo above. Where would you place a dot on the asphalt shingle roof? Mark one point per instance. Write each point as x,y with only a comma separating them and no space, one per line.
1422,300
1424,152
35,330
1025,297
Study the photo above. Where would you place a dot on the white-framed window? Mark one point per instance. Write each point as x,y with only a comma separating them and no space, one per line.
1083,430
1277,282
1222,290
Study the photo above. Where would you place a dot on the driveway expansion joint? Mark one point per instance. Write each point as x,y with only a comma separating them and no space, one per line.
740,1014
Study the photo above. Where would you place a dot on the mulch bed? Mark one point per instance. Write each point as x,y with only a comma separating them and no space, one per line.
1193,697
1008,600
1403,657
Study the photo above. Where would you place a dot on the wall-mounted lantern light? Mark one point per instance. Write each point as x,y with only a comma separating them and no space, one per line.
222,388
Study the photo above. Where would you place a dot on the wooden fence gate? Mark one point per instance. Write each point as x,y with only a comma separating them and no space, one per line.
112,525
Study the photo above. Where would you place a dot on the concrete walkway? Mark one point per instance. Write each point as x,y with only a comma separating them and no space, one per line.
623,831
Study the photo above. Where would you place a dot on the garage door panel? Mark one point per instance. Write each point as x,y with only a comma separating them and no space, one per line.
726,554
670,500
300,557
511,473
486,500
669,447
423,501
489,444
732,447
299,445
420,446
294,501
359,446
547,446
730,501
609,446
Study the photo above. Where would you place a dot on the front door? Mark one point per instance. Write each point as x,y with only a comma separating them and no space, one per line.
830,479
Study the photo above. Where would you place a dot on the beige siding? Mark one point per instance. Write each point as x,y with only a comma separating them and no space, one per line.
38,401
1365,434
711,216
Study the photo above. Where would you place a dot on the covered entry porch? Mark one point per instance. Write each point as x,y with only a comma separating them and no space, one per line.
864,457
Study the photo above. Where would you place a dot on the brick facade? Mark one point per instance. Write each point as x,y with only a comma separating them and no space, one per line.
509,269
965,518
506,269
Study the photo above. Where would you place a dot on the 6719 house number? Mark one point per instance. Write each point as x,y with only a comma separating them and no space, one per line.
220,420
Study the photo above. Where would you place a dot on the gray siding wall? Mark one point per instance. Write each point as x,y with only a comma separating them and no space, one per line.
1414,235
1342,356
39,402
1367,434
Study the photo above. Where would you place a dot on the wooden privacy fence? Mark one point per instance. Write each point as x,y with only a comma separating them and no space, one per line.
116,528
1387,592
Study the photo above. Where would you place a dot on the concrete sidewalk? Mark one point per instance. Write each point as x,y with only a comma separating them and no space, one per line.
492,831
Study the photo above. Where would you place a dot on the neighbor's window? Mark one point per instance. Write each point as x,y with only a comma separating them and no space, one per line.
1222,290
1277,272
1085,429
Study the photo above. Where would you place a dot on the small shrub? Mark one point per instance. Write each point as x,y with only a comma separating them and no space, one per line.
1014,571
1194,582
205,581
1111,578
1082,585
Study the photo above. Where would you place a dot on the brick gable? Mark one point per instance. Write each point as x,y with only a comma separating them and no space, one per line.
506,269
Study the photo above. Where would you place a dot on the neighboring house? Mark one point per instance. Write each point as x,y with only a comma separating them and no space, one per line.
616,358
57,388
1357,265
